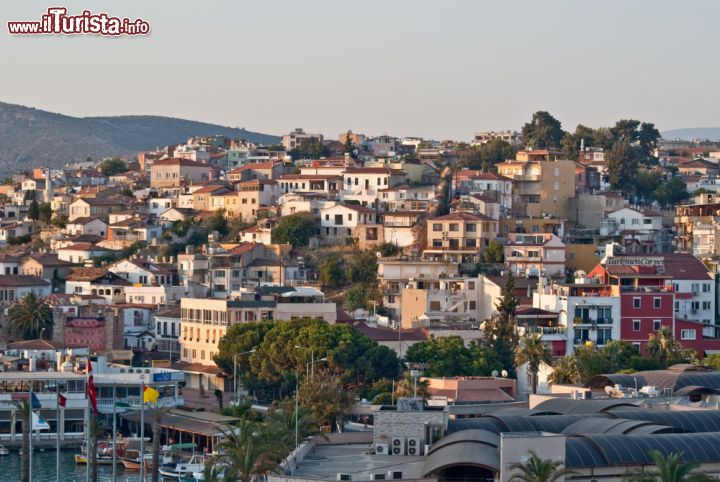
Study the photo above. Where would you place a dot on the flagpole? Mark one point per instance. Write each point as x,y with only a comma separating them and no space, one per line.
114,449
30,450
57,432
142,431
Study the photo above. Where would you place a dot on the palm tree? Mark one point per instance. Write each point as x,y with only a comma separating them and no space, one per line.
536,469
248,452
24,408
534,352
157,418
95,430
565,370
663,347
670,468
280,425
29,316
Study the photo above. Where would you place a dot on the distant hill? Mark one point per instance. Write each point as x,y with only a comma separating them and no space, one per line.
710,133
31,137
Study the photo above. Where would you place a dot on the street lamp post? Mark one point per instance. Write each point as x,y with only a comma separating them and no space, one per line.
311,366
235,386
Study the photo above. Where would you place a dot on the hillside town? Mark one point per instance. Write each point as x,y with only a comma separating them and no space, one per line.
395,307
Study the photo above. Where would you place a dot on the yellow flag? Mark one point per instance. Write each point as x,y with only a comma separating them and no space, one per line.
151,395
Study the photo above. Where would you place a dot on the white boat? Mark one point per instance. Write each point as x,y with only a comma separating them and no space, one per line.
4,450
184,470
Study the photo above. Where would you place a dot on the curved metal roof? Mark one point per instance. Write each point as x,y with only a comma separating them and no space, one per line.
529,412
676,377
570,406
697,421
516,423
477,448
617,426
595,450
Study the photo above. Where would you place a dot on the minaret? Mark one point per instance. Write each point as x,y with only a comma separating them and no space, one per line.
48,186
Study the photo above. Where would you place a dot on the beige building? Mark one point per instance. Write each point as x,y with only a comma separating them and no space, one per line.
170,173
459,235
540,187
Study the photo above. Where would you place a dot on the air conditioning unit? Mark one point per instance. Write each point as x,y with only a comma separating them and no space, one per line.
344,477
394,475
378,476
397,446
382,449
414,446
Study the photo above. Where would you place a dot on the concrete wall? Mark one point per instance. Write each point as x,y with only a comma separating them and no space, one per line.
515,448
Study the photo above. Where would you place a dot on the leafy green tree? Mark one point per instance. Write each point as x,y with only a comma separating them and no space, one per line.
622,166
590,362
571,142
494,252
535,469
388,249
110,167
331,271
355,298
60,221
712,361
646,184
543,131
671,192
620,354
327,396
45,212
486,156
670,468
28,316
362,267
242,338
295,229
445,356
534,352
217,221
485,360
564,371
350,148
310,149
280,423
407,387
34,210
501,334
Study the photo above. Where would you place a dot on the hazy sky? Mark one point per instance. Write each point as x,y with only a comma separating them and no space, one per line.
441,69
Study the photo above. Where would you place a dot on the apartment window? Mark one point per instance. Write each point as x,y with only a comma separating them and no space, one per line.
557,171
349,216
194,353
454,227
437,227
636,302
471,285
472,305
434,306
657,303
687,334
706,287
556,186
677,306
471,243
202,354
635,221
706,305
656,325
636,325
470,227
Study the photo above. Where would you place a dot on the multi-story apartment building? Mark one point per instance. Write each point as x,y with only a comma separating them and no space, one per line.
459,235
364,184
513,138
174,172
408,198
297,137
488,184
689,216
540,187
540,254
587,312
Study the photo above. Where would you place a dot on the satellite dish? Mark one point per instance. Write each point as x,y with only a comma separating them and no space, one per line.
495,373
580,274
378,254
504,373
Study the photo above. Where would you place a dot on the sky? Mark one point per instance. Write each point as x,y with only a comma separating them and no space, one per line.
439,69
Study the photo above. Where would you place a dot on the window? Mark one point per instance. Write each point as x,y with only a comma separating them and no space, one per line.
656,325
434,306
636,302
437,227
454,227
556,186
687,334
657,303
471,285
705,305
677,306
635,221
706,287
636,325
472,305
470,227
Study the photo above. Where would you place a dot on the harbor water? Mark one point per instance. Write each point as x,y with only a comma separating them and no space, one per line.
44,468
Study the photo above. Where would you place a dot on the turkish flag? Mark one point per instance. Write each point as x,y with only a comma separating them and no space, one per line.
91,390
62,400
